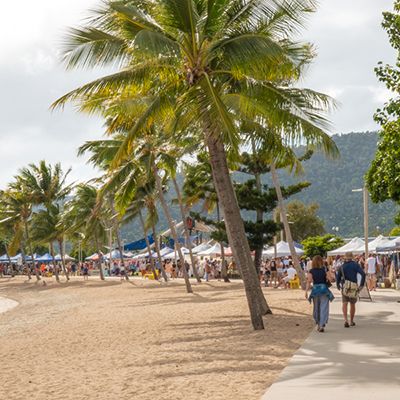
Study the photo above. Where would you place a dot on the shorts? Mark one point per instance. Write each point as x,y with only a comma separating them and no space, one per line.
351,300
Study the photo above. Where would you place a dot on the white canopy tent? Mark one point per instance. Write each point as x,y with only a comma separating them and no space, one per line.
201,247
115,255
174,254
215,250
66,257
93,257
388,246
153,254
374,244
200,227
166,250
282,250
354,246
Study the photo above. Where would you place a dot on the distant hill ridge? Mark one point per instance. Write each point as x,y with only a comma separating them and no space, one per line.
332,184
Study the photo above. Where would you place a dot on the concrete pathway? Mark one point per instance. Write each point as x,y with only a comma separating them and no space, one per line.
359,363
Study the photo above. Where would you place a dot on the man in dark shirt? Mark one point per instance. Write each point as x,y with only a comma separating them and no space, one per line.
349,271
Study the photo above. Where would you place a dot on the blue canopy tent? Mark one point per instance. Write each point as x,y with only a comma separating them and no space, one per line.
139,244
45,258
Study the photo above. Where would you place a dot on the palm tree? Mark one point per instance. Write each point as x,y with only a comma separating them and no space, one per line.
46,229
198,186
47,186
85,213
16,212
149,155
210,64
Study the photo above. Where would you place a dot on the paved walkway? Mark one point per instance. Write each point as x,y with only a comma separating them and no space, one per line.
361,363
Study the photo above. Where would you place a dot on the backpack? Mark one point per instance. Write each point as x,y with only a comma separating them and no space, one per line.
349,288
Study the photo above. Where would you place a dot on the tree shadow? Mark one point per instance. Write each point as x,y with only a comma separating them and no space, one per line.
366,354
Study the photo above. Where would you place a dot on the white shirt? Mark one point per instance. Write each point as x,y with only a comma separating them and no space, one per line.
371,265
286,262
291,273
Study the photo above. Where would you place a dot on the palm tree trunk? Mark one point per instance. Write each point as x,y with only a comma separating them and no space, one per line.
99,254
235,230
187,235
259,219
118,236
61,244
157,246
28,239
224,272
286,226
54,262
153,268
9,258
171,227
121,253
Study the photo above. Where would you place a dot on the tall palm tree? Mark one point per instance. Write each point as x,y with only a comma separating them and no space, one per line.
47,186
46,229
85,213
149,157
16,211
198,186
210,64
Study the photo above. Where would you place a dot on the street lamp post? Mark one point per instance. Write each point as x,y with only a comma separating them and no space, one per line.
364,190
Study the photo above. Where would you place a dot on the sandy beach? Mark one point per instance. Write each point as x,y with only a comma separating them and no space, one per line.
143,340
6,304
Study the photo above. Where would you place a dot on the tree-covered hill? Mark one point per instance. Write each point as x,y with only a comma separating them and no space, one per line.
332,184
333,181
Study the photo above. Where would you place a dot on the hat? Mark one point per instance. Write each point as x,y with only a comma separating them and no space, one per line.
348,255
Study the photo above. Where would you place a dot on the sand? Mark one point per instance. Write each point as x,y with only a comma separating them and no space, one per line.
7,304
143,340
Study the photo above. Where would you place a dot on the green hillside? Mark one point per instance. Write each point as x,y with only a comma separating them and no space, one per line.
332,184
333,181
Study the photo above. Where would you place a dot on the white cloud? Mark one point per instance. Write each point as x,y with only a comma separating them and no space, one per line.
348,36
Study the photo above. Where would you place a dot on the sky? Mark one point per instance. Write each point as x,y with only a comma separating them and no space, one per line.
347,35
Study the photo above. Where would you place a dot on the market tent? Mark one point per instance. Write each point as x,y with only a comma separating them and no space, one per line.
165,250
389,245
93,257
282,250
228,252
174,254
353,246
115,255
66,257
139,244
201,247
199,227
212,251
45,258
374,244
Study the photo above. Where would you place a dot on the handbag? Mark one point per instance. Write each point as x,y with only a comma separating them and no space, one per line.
328,282
349,289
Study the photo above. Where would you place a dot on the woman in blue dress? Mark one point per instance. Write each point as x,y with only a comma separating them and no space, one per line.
319,278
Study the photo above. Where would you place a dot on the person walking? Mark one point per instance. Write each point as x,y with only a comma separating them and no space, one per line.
371,273
320,294
347,283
